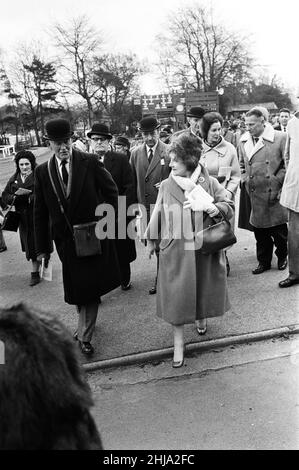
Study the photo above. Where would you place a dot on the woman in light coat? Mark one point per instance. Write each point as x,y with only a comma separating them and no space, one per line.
191,285
220,157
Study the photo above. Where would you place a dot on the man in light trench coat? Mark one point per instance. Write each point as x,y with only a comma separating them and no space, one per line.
261,152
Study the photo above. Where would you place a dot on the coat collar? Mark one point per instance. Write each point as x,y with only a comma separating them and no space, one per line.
268,134
221,148
251,149
177,191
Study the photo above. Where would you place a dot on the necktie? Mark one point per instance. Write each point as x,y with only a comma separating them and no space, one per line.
150,156
65,175
256,140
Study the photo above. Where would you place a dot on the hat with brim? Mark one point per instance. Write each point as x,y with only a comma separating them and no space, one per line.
196,112
99,129
58,129
121,140
148,124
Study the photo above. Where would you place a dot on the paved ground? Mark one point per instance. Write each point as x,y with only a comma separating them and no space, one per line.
127,323
243,397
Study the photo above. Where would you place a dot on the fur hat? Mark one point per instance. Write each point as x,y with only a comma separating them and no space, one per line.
121,140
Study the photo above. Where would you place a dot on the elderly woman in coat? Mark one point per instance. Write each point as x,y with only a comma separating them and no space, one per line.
191,286
220,157
20,191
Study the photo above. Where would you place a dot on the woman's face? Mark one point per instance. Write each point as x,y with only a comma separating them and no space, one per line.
214,132
25,166
177,166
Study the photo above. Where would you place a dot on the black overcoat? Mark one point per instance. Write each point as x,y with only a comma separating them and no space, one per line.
23,205
120,169
84,279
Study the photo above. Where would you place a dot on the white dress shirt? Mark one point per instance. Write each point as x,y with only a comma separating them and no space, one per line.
148,149
67,166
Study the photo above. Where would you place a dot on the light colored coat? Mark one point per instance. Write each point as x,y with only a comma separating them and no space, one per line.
290,190
263,170
222,155
190,285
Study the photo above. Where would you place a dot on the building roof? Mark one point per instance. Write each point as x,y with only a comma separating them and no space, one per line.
245,107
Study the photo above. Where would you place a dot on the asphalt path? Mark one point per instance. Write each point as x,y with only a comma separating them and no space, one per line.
127,322
245,397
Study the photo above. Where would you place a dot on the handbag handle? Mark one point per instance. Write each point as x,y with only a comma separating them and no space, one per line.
13,201
224,216
59,201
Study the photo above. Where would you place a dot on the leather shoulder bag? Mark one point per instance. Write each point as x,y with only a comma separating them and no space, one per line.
84,236
217,236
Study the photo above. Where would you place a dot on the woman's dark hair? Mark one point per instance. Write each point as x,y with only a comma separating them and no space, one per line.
188,149
25,154
209,119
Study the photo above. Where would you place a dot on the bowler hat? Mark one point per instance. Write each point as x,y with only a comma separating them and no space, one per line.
148,124
99,129
58,129
121,140
196,112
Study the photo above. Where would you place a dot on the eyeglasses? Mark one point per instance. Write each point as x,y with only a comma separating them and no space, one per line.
98,139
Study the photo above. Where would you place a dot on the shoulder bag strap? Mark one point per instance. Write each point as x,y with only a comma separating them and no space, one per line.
58,198
12,203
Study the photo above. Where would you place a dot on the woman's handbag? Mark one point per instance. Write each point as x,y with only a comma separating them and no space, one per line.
11,219
216,236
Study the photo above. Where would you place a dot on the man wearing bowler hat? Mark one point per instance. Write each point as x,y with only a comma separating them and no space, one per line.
119,167
68,190
194,119
150,164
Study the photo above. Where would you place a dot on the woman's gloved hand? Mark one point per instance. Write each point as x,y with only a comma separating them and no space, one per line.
200,205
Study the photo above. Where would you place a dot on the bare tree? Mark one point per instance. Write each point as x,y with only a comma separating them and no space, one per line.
80,42
114,76
34,80
205,55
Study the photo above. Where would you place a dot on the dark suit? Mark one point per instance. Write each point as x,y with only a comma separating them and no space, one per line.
119,167
147,175
84,279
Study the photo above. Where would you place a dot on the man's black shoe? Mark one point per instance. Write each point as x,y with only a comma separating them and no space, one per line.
288,282
86,348
153,290
260,269
126,287
282,264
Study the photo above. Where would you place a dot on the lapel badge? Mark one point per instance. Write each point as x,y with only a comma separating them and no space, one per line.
162,161
201,179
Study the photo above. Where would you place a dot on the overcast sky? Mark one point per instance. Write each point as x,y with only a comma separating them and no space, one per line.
131,25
